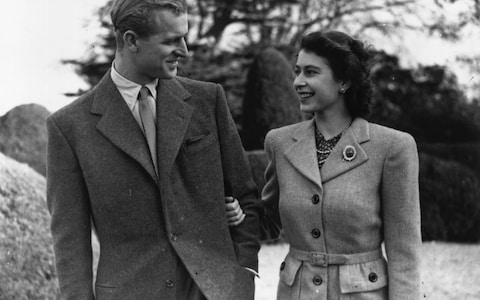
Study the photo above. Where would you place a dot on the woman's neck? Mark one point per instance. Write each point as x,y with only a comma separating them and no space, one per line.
331,126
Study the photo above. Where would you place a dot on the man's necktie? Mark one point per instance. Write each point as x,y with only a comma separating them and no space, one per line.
148,123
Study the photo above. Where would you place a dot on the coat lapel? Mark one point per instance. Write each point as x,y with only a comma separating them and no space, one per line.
118,124
335,164
173,117
301,154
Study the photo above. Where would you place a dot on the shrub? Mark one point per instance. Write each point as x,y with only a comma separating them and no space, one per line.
270,100
24,135
26,254
467,154
258,163
449,196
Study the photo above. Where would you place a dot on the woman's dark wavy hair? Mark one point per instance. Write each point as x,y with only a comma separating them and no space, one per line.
349,60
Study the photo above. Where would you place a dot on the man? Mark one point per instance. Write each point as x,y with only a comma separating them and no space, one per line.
146,159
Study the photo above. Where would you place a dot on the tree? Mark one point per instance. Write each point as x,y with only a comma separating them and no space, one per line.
427,102
279,23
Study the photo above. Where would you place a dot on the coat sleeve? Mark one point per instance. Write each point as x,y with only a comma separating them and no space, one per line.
238,182
401,215
270,223
69,207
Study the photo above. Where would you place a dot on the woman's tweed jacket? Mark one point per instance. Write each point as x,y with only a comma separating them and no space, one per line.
347,207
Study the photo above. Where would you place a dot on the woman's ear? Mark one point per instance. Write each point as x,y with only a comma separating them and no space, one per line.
346,85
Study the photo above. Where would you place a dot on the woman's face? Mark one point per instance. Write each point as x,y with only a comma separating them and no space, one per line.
317,89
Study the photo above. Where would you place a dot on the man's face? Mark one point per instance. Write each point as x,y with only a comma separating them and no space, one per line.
158,54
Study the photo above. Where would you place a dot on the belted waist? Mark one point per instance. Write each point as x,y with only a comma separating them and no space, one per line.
326,259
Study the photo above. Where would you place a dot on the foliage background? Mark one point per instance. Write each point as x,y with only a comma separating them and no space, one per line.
253,62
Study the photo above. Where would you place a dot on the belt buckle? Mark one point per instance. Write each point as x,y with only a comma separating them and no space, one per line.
318,259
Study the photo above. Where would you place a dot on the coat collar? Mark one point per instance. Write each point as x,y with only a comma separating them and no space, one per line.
336,164
303,157
301,153
119,126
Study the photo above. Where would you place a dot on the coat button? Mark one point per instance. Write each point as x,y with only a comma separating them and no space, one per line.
373,277
282,266
317,280
315,199
173,237
316,233
169,283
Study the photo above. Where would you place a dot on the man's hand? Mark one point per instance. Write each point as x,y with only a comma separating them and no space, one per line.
235,215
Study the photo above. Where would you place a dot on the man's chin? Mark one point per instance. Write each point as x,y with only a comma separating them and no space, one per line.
168,75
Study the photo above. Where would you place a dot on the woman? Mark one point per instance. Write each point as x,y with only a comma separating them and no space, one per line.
340,186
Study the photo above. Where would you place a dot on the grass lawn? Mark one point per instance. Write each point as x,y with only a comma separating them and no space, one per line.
449,271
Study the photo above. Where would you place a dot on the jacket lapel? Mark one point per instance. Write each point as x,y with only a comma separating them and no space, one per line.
173,117
302,155
118,124
335,164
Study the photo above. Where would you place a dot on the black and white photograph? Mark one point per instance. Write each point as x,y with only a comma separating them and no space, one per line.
240,150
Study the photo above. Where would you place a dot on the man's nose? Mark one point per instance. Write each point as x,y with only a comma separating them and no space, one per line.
182,49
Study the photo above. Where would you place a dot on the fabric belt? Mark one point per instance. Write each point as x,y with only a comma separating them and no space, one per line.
326,259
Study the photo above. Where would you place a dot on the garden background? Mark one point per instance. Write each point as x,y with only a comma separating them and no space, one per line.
249,47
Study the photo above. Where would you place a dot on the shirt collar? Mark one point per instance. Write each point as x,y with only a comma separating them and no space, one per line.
129,89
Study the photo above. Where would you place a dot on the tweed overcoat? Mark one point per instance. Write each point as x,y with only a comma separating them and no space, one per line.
346,207
100,174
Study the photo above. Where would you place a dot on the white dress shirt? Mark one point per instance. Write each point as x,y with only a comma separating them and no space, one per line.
129,91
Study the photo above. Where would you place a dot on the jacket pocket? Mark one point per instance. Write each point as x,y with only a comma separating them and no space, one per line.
197,143
363,277
289,269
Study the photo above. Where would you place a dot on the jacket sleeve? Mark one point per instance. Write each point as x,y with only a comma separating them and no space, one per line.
270,222
68,204
238,182
401,215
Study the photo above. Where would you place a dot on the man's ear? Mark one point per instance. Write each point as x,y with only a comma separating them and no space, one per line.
130,40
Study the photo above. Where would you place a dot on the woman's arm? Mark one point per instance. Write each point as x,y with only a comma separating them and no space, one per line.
401,217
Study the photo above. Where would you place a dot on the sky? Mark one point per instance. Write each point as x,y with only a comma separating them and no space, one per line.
37,34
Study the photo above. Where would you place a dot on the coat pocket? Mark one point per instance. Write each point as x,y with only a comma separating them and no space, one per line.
289,269
197,143
363,277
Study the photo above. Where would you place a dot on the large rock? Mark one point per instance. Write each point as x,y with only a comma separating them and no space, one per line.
26,252
23,135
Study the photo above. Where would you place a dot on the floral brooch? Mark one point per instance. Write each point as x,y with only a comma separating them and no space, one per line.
349,153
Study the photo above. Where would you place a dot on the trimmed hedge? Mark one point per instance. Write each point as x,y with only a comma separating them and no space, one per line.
23,135
270,100
26,253
467,154
450,200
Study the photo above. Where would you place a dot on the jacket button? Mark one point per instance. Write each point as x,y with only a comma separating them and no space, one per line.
316,233
317,280
373,277
315,199
169,283
173,237
282,266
